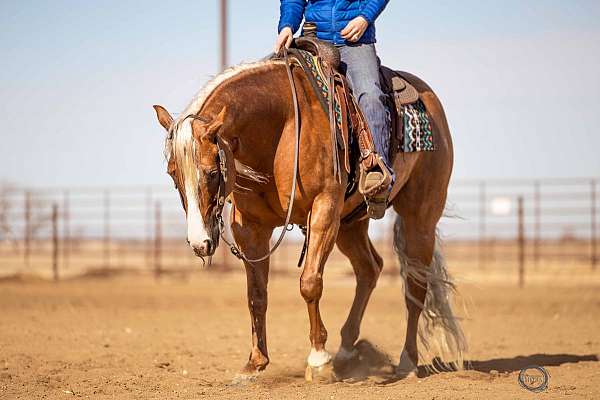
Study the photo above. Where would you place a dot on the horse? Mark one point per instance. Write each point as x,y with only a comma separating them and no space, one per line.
246,115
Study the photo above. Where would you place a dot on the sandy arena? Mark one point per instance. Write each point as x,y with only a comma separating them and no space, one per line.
133,337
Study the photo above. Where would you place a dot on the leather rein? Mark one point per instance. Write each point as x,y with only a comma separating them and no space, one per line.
217,213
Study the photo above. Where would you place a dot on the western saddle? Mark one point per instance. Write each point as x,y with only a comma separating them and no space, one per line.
350,129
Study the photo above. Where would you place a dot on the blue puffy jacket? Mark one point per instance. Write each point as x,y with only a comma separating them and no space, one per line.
331,16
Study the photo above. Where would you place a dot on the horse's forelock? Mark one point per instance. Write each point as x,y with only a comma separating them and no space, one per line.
181,146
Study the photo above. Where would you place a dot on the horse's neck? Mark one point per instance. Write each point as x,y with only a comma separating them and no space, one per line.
257,111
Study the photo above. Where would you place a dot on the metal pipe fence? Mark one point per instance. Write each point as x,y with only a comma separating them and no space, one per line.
488,224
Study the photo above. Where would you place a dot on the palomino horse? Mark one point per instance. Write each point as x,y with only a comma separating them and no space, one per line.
246,114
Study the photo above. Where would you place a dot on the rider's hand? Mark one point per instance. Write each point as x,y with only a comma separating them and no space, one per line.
284,39
355,29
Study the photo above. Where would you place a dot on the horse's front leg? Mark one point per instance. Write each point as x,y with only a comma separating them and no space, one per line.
323,227
253,240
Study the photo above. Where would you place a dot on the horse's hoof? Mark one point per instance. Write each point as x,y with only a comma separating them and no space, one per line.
407,368
322,374
345,359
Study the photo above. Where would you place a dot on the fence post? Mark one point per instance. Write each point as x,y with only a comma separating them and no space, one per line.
27,229
482,216
224,20
106,250
537,223
148,239
594,226
66,229
157,241
521,239
55,241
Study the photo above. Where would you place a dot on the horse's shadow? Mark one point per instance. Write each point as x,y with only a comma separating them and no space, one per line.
374,363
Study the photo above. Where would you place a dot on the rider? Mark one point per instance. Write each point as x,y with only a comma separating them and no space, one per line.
350,26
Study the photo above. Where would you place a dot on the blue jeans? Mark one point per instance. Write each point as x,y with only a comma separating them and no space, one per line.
361,65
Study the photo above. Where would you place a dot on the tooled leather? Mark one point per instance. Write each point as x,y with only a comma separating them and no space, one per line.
327,51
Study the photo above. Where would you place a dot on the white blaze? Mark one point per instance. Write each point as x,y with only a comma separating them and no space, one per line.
184,151
196,232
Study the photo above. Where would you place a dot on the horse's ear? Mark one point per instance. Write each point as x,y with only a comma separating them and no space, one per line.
164,118
212,128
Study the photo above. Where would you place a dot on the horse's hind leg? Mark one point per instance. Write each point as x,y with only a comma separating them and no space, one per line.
429,288
253,239
353,241
415,238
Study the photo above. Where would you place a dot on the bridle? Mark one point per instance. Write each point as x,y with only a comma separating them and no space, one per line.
219,201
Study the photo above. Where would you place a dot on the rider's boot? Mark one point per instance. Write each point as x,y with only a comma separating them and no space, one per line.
376,177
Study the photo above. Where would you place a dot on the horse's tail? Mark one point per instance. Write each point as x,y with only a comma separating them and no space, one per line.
440,334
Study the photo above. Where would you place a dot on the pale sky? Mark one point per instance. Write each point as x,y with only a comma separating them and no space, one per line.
519,80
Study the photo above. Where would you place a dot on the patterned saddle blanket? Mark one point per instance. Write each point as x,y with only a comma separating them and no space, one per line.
411,127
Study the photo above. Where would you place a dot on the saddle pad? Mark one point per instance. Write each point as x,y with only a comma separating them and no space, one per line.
417,135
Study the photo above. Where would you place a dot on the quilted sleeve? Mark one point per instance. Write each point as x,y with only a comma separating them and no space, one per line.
372,9
291,13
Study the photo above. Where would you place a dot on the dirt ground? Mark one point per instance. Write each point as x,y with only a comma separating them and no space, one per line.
134,337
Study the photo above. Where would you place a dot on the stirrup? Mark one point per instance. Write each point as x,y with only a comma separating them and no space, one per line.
377,202
374,180
374,185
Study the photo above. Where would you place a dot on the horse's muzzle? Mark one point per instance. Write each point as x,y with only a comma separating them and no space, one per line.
204,249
